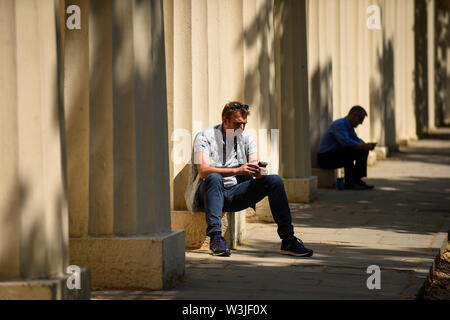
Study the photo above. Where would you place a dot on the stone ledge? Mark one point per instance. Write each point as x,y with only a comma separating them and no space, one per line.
148,262
301,190
262,213
372,158
325,178
51,289
233,228
381,152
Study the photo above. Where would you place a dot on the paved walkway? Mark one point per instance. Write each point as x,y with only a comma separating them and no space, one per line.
400,226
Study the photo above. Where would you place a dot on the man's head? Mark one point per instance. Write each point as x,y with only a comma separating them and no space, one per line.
356,116
234,115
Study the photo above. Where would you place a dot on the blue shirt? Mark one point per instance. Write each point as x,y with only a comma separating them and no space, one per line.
340,134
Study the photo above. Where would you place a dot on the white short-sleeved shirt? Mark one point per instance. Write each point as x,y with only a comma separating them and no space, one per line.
211,141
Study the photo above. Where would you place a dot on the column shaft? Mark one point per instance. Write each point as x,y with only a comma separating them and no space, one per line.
431,44
34,214
152,154
10,185
76,112
101,188
124,124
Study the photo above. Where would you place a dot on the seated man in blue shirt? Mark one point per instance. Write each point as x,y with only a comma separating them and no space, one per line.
341,147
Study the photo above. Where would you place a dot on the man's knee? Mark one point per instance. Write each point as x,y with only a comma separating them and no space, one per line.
214,178
354,154
361,153
274,179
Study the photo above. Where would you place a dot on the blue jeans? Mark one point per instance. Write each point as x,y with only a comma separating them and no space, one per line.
217,198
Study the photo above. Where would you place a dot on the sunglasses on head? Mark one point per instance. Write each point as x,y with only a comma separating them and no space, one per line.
239,106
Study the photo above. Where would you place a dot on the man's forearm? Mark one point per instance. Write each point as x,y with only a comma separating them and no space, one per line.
225,172
363,146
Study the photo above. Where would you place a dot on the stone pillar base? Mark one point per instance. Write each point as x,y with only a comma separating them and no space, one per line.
51,289
381,152
262,213
302,190
372,158
233,228
147,262
326,178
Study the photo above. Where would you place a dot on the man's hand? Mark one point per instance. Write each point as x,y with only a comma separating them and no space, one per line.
371,145
366,146
250,169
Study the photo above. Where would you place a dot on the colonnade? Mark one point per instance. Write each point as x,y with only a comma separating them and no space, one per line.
352,64
97,123
250,51
34,229
117,150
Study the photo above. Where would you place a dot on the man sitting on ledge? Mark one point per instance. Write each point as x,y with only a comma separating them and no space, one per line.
226,177
341,147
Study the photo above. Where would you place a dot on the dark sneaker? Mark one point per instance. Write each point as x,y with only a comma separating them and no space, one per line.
218,246
294,247
365,185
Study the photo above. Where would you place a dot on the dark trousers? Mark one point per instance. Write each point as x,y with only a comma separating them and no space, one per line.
353,160
217,198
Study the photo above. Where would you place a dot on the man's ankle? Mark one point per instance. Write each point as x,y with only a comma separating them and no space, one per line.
288,237
215,234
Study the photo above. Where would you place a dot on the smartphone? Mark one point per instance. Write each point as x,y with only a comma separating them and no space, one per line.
262,164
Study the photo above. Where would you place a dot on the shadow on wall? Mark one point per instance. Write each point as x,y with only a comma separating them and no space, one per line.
258,83
321,106
382,99
180,183
10,268
133,119
386,66
421,68
31,249
442,63
442,68
259,80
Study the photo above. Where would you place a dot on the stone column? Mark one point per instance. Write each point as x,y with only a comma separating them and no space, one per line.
376,85
364,47
130,243
421,67
339,47
76,112
33,207
124,123
398,57
292,66
10,185
259,78
324,77
323,71
431,62
389,81
201,49
363,69
442,63
314,78
101,119
410,116
402,70
334,14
